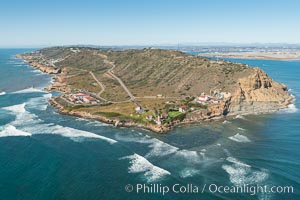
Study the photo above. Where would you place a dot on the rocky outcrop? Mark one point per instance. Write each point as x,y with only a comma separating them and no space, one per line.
258,93
60,83
44,68
211,112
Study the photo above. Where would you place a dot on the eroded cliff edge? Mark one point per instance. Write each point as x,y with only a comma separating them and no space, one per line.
258,93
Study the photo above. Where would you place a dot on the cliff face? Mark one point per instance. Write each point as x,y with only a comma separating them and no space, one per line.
42,67
258,93
45,69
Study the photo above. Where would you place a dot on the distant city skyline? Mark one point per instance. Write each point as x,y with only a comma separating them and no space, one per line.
34,23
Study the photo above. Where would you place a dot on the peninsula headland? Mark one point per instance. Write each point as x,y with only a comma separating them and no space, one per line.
153,88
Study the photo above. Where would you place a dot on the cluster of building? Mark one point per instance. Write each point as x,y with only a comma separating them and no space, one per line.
159,117
83,98
202,99
205,100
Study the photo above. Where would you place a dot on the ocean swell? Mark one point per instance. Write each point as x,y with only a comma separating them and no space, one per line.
139,164
241,173
239,138
10,130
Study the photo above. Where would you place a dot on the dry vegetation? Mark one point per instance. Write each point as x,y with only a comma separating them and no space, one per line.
146,72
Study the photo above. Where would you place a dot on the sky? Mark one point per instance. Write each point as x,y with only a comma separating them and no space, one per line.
34,23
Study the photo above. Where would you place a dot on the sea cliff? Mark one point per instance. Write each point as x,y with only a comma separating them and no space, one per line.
258,93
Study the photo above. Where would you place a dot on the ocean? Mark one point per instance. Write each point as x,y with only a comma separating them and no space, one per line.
48,156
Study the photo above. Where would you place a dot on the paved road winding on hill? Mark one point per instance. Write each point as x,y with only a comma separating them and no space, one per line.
100,84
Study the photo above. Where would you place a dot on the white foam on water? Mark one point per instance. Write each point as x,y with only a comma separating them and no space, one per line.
242,129
188,172
29,122
239,117
26,119
191,156
134,137
72,133
19,108
77,135
290,109
160,149
81,119
239,138
226,122
139,164
36,71
29,90
47,96
39,103
2,93
241,173
15,62
184,160
97,123
236,161
10,130
93,122
22,116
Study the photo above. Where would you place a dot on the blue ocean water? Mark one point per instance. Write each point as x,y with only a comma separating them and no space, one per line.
45,155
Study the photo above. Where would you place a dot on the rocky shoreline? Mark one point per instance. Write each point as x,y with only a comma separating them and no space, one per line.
256,94
115,122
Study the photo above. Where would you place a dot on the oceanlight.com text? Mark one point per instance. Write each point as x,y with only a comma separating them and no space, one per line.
207,188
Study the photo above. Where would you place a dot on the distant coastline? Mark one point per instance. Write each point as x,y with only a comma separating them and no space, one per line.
283,55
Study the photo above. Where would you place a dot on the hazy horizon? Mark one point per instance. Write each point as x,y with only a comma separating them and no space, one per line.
34,23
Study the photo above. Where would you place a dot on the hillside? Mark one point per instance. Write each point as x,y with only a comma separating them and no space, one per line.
158,81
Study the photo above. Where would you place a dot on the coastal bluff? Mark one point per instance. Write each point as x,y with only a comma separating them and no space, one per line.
154,89
258,93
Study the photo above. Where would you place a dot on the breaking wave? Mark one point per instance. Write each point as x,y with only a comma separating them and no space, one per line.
139,164
76,134
239,117
188,172
239,138
241,173
226,122
10,130
290,109
29,90
2,93
30,123
20,108
159,148
183,160
39,103
16,62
